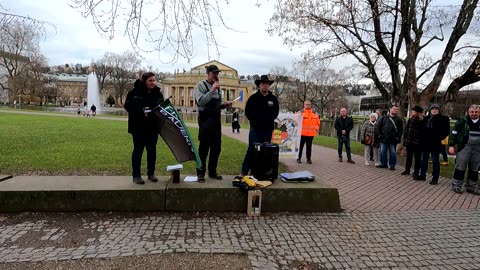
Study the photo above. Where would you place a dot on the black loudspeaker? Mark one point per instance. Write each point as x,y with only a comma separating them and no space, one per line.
265,161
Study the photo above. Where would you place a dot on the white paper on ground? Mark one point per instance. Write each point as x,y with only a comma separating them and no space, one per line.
174,167
190,179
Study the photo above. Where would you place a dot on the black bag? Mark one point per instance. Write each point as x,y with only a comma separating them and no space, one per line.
265,161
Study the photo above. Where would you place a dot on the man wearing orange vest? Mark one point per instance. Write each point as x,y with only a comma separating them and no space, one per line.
310,128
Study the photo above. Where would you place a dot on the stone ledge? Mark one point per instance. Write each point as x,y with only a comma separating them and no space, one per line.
118,193
80,193
221,196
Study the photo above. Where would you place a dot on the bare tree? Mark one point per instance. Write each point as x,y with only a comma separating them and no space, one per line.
170,25
391,34
19,43
103,68
282,82
123,74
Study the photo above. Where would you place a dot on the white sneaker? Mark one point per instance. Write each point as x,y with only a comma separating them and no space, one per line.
367,163
377,164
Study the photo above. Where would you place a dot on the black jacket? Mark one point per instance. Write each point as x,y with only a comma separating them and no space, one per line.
343,124
436,128
137,100
390,133
262,110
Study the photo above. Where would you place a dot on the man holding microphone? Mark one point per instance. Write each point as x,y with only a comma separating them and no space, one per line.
209,100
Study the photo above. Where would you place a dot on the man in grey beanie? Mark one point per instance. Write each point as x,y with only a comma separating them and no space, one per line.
465,140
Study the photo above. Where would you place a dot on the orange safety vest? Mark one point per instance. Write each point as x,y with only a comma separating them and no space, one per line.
310,123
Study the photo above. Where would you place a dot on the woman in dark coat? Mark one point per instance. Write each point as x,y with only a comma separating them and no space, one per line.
412,141
235,122
144,97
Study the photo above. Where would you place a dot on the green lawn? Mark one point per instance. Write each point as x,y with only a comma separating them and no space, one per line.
357,148
37,144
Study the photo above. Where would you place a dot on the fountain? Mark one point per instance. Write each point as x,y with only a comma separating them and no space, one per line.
93,96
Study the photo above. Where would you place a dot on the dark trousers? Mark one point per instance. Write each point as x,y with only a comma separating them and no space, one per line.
341,141
254,136
210,137
413,152
308,141
144,140
444,153
435,163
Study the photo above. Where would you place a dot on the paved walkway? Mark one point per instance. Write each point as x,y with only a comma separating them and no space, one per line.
367,188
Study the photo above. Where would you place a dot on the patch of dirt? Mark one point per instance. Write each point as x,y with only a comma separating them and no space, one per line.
185,261
303,265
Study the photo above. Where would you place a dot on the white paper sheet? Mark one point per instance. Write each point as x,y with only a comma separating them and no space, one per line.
174,167
190,179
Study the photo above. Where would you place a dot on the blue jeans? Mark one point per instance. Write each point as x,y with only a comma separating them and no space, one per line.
341,141
435,164
254,136
392,149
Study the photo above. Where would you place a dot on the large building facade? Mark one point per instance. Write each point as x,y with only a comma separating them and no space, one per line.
72,88
180,87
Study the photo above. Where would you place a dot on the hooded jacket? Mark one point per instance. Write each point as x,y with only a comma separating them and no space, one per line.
136,102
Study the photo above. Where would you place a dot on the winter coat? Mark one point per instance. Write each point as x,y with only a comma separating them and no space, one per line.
436,128
262,110
343,124
371,130
235,121
460,133
413,132
388,132
135,104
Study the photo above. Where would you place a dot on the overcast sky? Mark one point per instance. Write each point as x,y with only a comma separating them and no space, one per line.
250,50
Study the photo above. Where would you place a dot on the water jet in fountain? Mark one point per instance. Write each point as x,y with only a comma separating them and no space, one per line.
93,96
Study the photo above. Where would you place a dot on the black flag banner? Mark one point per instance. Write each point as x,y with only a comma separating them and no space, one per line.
175,133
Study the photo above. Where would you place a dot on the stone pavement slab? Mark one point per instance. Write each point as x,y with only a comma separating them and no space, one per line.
444,239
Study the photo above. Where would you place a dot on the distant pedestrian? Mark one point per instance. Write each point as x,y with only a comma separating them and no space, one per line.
343,125
390,130
310,128
412,139
370,139
235,121
78,111
465,136
86,111
94,110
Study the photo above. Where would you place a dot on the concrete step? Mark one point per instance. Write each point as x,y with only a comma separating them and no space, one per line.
119,193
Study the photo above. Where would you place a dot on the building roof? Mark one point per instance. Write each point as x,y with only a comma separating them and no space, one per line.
214,62
10,55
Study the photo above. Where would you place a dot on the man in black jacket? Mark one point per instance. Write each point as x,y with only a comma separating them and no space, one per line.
261,110
343,125
144,97
436,128
390,130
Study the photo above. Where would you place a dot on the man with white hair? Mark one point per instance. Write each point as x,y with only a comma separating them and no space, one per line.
465,140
